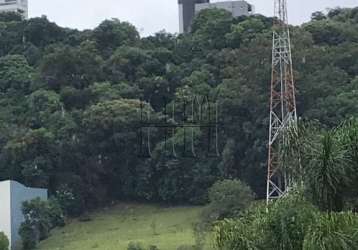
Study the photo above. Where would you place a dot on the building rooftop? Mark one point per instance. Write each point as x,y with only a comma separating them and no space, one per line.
189,8
19,6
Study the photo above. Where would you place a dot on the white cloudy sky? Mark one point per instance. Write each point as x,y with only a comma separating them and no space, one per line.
150,16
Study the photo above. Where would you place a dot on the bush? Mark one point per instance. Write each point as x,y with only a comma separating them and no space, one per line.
228,199
333,231
40,217
139,246
69,201
135,246
29,236
55,212
288,221
186,247
200,233
241,234
232,234
291,223
4,242
37,218
353,205
283,227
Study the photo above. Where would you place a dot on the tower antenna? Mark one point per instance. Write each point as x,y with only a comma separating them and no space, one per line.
283,113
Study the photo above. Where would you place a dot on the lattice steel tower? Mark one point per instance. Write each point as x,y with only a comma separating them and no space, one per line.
283,112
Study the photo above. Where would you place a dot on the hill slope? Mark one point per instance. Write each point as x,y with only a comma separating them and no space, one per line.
114,228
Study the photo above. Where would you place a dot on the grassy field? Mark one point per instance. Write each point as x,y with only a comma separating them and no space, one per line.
114,228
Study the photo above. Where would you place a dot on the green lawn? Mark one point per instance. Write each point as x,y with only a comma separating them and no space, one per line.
114,228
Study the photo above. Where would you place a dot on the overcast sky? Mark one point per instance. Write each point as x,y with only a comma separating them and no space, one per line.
150,16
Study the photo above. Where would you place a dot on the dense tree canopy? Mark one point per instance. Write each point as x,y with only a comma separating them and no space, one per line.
70,100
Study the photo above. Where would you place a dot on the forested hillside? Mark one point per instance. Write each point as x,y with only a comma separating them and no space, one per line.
70,101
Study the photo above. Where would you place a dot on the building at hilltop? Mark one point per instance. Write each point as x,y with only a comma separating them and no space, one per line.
19,6
187,13
189,8
12,195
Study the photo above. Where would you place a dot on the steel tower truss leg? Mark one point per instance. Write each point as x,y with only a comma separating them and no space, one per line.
283,112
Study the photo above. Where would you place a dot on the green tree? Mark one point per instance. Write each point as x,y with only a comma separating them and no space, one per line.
228,199
40,217
42,104
317,16
30,157
111,34
130,63
15,74
327,172
82,89
41,32
11,31
4,242
210,26
71,66
245,31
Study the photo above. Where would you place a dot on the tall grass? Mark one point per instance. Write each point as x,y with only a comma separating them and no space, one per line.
333,231
291,223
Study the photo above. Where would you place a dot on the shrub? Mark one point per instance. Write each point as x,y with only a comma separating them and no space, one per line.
29,235
333,231
139,246
69,201
4,242
228,199
186,247
288,221
291,223
40,217
283,227
352,205
37,217
85,217
232,234
200,232
135,246
244,233
56,214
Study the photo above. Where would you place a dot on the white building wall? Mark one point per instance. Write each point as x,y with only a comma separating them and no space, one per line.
14,194
5,209
20,194
237,8
181,19
15,5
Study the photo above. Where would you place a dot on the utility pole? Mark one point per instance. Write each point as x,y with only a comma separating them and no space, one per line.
283,113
